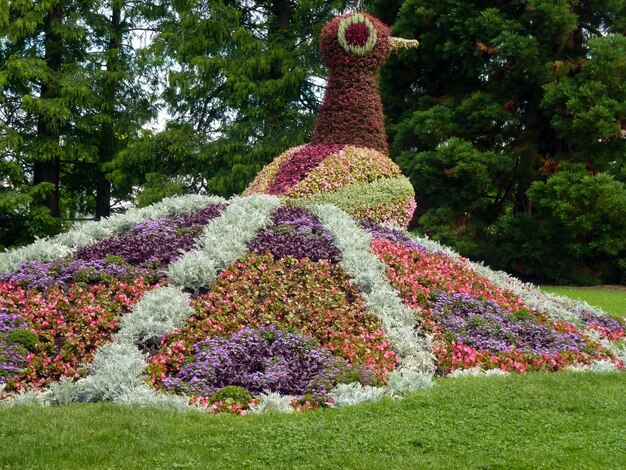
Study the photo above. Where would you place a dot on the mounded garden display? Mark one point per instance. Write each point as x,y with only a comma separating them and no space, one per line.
306,292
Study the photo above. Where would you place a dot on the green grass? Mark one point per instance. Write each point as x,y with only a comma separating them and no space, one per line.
610,299
564,420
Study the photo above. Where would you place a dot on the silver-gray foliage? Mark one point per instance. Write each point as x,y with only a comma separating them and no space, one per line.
158,313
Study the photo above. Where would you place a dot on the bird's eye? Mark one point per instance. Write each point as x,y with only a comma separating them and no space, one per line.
357,35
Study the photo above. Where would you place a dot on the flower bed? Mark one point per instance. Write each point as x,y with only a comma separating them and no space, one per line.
298,233
417,274
67,324
263,359
476,324
307,297
156,242
143,252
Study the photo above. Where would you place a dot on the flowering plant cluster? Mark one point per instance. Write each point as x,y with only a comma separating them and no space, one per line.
310,298
379,231
399,212
417,274
43,274
385,200
141,253
298,167
263,359
298,233
265,177
612,329
13,351
69,324
476,324
349,165
155,242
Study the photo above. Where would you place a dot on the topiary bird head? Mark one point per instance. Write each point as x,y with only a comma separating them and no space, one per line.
354,47
346,162
358,41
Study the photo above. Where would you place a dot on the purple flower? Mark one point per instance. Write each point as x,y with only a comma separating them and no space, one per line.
483,325
612,325
41,275
378,231
155,242
13,357
263,359
298,233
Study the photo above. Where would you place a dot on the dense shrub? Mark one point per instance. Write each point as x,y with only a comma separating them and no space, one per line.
576,232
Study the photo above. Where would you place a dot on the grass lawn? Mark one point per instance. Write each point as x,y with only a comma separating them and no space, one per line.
612,299
564,420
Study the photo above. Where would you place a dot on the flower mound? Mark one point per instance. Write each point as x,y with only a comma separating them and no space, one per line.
362,181
262,359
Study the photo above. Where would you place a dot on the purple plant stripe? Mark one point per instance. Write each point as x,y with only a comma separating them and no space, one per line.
298,233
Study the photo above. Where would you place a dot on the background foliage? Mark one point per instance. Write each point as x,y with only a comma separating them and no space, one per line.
510,119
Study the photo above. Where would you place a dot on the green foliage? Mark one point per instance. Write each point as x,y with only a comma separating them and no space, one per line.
244,81
232,394
25,338
496,97
577,230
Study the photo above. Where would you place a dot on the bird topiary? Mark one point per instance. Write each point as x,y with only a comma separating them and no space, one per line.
280,292
346,163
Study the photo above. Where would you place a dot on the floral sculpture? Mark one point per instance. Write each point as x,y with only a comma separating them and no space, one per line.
346,163
280,303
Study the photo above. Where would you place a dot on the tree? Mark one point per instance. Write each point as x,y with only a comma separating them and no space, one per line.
41,47
70,99
512,89
243,82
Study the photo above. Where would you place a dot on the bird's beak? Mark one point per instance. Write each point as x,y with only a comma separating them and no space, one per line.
398,44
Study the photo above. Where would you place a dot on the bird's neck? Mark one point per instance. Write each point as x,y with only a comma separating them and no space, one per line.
352,111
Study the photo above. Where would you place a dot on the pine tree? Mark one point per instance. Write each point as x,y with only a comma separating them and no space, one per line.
41,47
244,83
498,97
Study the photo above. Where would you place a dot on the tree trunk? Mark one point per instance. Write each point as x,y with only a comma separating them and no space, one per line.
47,168
281,13
108,140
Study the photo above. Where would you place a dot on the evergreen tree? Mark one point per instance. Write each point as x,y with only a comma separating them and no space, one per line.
244,83
498,96
70,99
41,48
